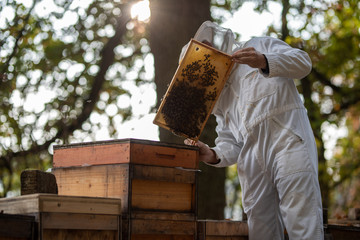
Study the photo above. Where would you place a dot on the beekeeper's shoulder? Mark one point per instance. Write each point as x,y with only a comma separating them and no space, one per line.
255,42
261,40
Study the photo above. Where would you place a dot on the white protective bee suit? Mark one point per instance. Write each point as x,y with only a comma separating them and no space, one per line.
263,127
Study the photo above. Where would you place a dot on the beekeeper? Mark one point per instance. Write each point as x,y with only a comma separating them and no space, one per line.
263,127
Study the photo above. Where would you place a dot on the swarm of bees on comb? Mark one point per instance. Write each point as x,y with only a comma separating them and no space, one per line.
186,109
193,91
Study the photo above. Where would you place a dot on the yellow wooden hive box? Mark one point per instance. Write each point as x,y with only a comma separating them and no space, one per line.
194,90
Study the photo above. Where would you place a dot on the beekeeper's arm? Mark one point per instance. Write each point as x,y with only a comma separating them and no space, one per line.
206,154
226,151
282,60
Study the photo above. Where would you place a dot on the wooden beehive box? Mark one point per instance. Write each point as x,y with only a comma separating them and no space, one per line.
343,229
222,229
17,227
194,90
158,226
146,175
68,217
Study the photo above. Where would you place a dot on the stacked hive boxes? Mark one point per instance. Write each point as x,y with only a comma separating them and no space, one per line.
65,217
156,182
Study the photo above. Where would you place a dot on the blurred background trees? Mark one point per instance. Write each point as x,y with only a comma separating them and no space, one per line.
61,68
73,71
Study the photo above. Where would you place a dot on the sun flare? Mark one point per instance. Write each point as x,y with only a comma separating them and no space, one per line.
141,11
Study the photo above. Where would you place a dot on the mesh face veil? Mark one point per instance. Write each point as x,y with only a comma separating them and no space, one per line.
219,37
222,39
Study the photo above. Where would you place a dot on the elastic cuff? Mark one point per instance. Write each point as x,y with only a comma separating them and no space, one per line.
217,158
266,70
271,60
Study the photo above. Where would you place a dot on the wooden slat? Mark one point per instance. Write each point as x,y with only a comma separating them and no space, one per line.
37,203
161,237
343,232
222,229
95,181
167,227
68,204
226,228
20,205
162,174
161,219
226,238
13,238
128,151
124,140
79,221
157,195
161,215
164,156
80,234
91,155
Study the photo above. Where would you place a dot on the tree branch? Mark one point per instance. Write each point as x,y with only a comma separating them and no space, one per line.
16,45
323,79
89,103
354,98
106,61
284,22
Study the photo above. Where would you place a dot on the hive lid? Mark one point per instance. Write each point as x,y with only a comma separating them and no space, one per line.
194,90
125,151
43,202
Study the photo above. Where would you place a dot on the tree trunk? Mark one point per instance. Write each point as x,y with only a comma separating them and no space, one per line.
173,23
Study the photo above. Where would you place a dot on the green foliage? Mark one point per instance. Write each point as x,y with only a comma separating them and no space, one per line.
345,166
335,53
63,66
222,9
333,40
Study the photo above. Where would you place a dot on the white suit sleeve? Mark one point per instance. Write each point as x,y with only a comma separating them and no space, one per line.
227,149
284,60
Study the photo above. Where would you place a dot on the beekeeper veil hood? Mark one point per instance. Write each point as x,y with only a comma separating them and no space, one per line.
219,37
